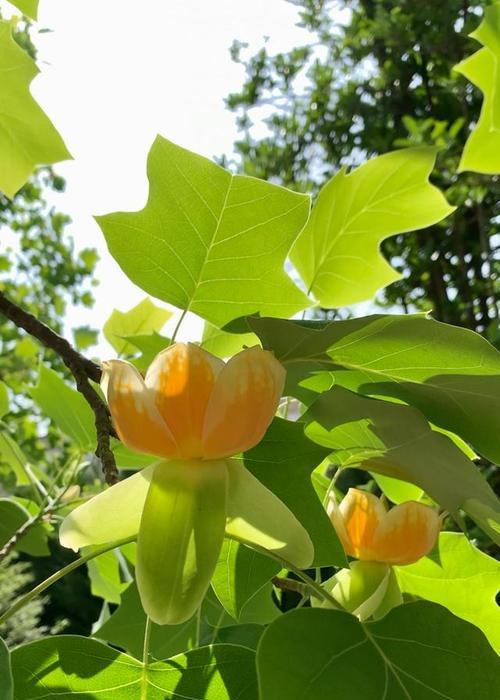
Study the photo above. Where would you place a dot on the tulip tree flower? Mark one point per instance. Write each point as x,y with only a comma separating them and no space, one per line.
370,532
194,412
379,539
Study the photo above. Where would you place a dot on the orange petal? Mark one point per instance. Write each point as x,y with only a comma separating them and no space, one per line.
356,520
136,419
408,532
243,403
181,378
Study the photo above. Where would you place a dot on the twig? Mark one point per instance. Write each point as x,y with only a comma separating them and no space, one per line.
23,530
289,584
82,370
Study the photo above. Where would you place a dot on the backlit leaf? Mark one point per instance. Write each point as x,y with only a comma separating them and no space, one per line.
482,150
12,517
338,252
27,7
145,318
27,136
460,577
208,241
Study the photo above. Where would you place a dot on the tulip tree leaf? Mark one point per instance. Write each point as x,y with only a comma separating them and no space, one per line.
208,241
338,254
149,346
12,456
65,406
224,344
460,577
64,666
7,685
27,7
418,651
396,440
239,574
145,318
12,517
283,461
27,136
482,150
450,374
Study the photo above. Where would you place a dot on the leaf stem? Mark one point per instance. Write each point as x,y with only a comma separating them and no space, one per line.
27,597
177,327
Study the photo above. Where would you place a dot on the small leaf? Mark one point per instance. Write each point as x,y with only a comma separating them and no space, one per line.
450,374
223,344
12,517
61,667
239,574
398,491
13,457
208,241
65,406
7,684
481,152
460,577
337,254
418,650
283,461
180,537
27,136
149,345
395,440
145,318
85,337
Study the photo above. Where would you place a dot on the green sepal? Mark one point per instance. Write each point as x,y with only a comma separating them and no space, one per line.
367,589
114,514
180,537
256,517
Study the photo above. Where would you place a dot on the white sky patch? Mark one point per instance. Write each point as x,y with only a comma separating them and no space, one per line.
117,72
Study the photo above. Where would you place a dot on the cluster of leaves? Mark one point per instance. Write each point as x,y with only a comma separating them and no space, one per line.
407,399
377,75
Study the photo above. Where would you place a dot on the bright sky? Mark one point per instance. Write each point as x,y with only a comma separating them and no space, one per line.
117,72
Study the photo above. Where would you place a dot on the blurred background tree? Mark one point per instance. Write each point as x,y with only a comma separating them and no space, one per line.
377,75
41,270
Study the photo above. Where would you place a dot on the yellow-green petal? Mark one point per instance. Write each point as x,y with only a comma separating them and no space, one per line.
180,537
112,515
256,516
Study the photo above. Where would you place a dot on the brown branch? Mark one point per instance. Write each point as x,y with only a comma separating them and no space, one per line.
289,584
82,370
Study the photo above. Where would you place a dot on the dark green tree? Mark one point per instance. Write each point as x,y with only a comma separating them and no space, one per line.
375,76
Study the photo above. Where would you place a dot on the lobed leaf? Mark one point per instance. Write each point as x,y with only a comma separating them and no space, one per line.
27,136
208,241
337,254
143,319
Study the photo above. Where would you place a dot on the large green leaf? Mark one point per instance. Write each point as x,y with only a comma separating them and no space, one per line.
338,252
67,666
396,440
27,7
27,136
482,150
65,406
12,517
7,684
239,574
145,318
451,374
283,462
418,651
208,241
460,577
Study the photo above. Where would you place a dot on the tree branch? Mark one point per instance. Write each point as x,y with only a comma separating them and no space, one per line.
82,370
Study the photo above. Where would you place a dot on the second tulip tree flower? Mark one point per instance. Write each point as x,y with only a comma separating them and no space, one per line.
379,539
194,412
